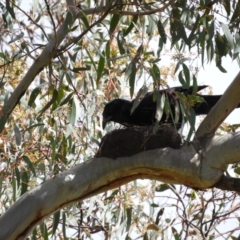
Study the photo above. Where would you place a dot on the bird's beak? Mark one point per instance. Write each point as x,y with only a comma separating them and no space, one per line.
105,121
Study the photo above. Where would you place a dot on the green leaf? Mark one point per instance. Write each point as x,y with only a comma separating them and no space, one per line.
79,69
68,21
51,102
33,96
195,85
145,236
24,182
84,19
34,126
14,189
162,188
192,34
56,217
16,38
155,73
150,26
175,234
211,30
43,229
210,50
91,59
228,35
67,99
100,69
64,225
181,79
130,76
186,74
114,23
161,31
121,41
72,113
30,165
159,214
236,13
53,147
191,119
220,67
18,177
107,53
141,93
6,17
221,45
4,57
129,218
237,44
176,112
10,9
131,26
18,137
160,46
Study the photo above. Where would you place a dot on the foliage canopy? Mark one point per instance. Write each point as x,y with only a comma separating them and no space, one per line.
60,61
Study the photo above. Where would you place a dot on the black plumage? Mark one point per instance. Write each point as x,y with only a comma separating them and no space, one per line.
119,110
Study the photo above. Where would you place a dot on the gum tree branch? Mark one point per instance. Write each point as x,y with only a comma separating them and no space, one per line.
179,166
221,110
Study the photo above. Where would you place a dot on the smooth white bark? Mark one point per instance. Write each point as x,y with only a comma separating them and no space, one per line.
227,103
184,166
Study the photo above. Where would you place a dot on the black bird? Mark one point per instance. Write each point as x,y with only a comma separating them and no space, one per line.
119,110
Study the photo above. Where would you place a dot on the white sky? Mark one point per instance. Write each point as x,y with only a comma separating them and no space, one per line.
210,75
219,81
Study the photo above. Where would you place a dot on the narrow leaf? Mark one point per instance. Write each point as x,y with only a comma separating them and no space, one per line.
18,137
181,79
186,74
130,75
114,23
161,31
121,41
84,19
131,26
33,96
30,165
175,234
141,93
100,69
129,218
228,35
56,217
24,182
50,103
66,99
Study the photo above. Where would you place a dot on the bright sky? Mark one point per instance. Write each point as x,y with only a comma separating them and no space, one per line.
210,75
219,81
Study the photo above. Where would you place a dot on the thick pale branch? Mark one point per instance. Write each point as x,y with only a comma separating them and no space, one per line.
221,151
221,110
184,166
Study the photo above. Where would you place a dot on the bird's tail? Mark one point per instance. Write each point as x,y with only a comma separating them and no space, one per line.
209,101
